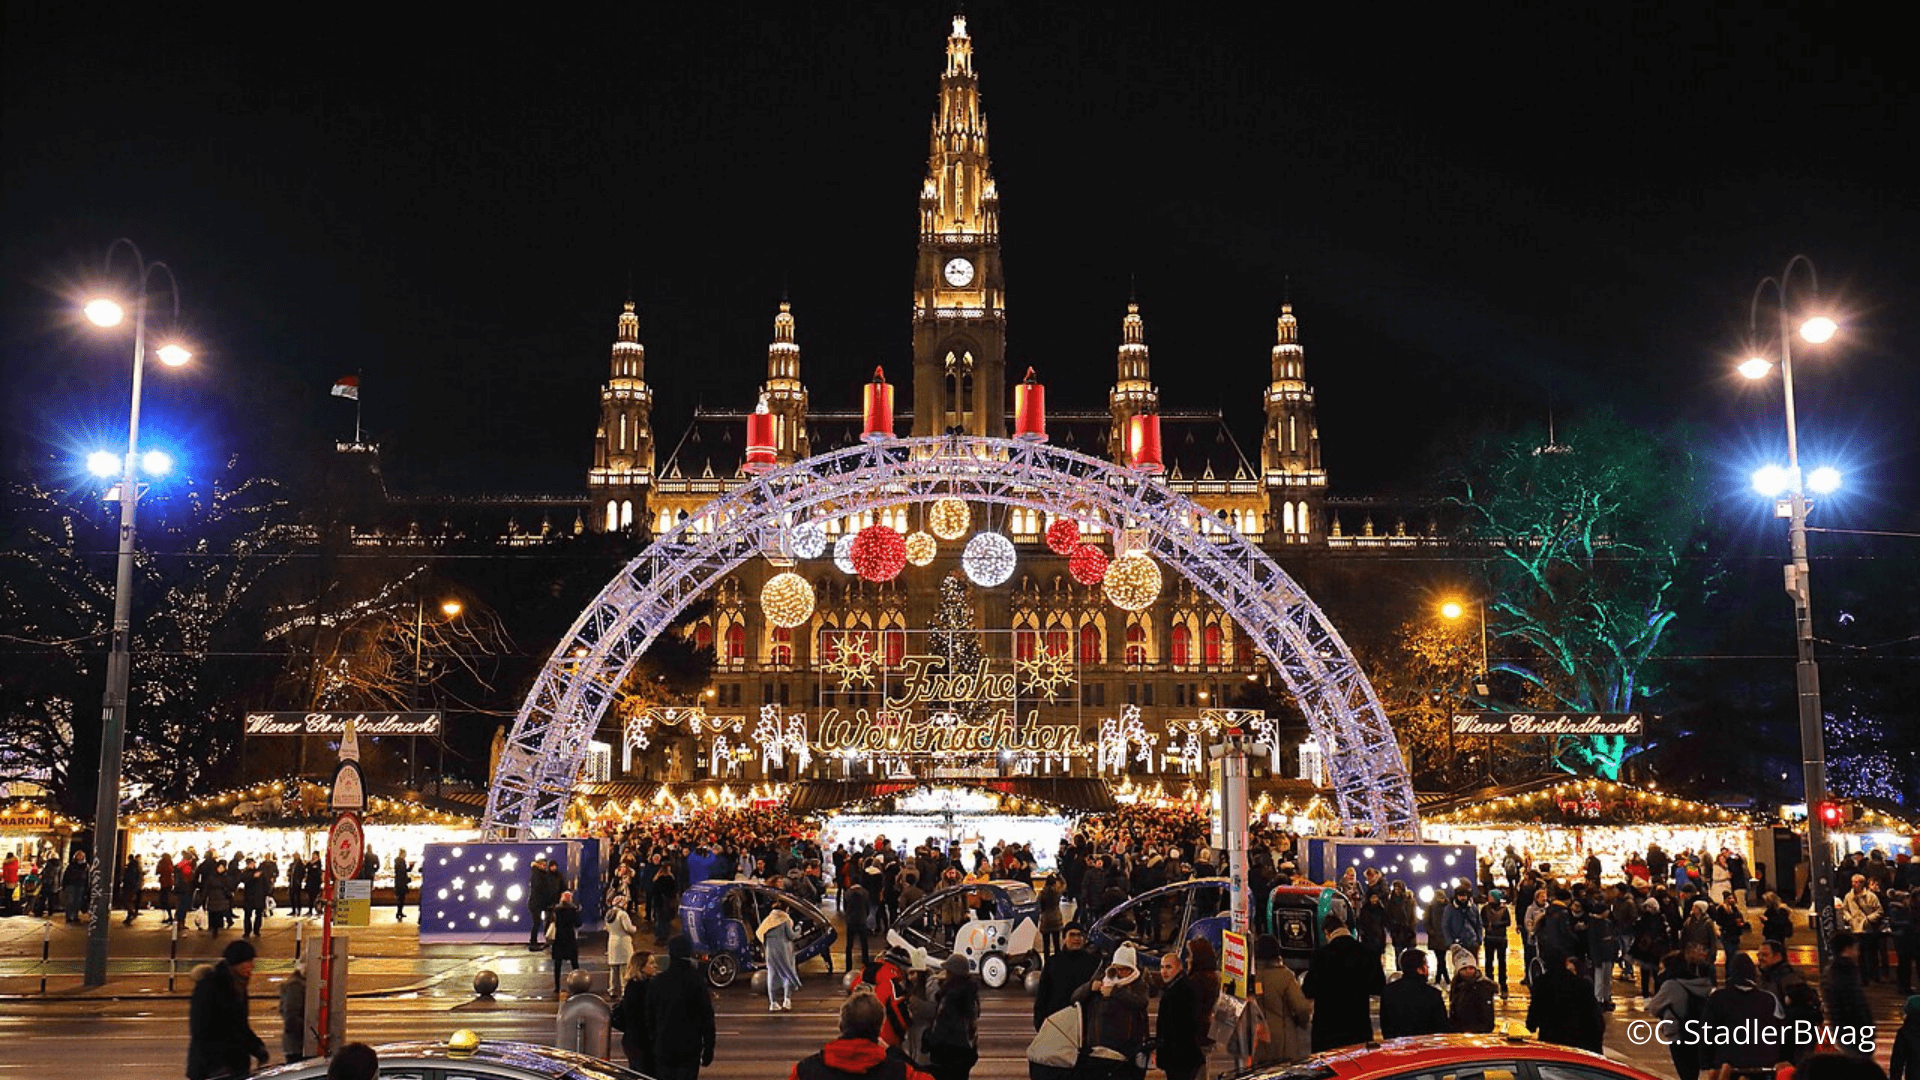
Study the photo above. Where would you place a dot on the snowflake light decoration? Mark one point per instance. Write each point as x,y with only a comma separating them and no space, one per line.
1047,673
854,661
771,737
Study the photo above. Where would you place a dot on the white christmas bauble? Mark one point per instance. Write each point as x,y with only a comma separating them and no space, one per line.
807,540
988,559
843,553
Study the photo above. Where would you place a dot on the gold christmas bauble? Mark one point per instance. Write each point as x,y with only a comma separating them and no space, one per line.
921,548
1133,582
949,518
787,599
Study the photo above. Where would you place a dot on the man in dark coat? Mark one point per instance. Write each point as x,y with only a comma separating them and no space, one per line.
402,881
539,901
220,1040
1340,979
1410,1005
1183,1051
1073,967
1563,1009
316,880
1799,1001
855,908
1845,994
680,1016
253,900
1734,1006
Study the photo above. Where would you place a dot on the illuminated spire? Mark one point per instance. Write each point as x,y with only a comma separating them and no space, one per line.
784,394
958,197
623,444
1289,359
1133,391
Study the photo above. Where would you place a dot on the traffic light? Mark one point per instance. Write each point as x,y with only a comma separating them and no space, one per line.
1832,814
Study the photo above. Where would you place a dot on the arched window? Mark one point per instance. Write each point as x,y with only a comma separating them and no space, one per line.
1023,642
623,431
1059,641
1210,644
1090,653
1293,434
626,513
1286,518
666,519
736,643
781,652
613,515
1136,644
703,636
1304,530
1181,644
894,644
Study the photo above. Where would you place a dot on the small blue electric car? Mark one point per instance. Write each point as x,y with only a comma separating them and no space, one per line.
720,917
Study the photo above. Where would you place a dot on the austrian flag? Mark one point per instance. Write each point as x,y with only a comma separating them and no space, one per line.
347,386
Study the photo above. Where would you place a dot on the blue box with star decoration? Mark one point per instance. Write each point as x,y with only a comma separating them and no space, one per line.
1429,869
478,892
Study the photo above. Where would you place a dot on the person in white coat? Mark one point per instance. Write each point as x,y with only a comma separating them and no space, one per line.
620,930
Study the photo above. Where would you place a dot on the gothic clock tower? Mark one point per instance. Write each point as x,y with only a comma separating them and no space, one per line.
959,298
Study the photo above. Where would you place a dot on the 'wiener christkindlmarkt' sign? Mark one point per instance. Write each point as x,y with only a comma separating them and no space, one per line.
1533,723
334,723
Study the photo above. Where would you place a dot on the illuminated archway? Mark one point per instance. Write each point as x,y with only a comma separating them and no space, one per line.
549,737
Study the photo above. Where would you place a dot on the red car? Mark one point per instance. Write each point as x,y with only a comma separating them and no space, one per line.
1452,1057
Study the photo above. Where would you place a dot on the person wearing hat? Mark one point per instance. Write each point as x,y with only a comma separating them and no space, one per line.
1469,995
220,1039
1287,1010
1117,1030
1340,980
1496,920
679,1015
952,1043
1905,1063
1069,969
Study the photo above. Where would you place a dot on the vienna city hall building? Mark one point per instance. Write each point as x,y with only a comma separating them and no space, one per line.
1075,658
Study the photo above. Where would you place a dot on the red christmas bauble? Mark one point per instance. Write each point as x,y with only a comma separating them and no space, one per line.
878,553
1063,536
1088,564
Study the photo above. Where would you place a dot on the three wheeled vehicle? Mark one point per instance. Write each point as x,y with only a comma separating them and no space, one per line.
1166,918
720,916
1295,914
994,924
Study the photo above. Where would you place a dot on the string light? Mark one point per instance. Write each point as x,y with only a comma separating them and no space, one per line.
1063,536
1132,582
843,553
878,553
949,518
921,548
988,559
807,540
787,599
1088,565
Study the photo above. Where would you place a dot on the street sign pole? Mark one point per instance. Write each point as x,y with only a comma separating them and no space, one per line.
346,848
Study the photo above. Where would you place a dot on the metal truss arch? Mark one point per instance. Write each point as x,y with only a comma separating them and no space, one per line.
548,740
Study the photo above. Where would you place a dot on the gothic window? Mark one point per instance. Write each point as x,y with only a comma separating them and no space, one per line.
1136,643
1181,644
781,652
736,643
1293,434
1210,643
1023,640
1059,642
1090,653
613,515
1286,517
703,636
894,643
1303,520
623,431
626,513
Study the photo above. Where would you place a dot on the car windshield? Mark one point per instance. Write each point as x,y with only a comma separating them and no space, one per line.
542,1060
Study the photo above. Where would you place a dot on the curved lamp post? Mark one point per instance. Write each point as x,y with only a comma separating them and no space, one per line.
113,711
1773,481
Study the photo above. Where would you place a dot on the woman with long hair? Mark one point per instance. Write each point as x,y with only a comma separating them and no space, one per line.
783,977
630,1015
952,1043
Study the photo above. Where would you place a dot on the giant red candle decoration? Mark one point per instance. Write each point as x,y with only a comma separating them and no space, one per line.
1030,410
761,447
878,409
1143,444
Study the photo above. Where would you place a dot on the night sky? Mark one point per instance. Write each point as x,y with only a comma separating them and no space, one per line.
1484,217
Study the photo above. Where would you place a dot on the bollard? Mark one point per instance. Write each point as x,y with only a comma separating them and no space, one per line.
46,954
299,941
173,955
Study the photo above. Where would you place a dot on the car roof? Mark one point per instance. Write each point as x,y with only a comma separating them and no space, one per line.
526,1059
1414,1053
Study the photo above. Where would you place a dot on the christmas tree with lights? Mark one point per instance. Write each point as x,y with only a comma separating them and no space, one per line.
954,637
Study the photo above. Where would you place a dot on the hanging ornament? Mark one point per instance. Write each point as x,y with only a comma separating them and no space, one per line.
762,451
949,518
988,559
1063,536
1088,565
877,409
843,553
921,548
1132,582
807,540
878,553
1030,410
787,599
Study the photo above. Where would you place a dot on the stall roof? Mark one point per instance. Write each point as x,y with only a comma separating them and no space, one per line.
298,803
1574,801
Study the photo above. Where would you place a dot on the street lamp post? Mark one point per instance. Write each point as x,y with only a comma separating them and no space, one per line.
113,711
1453,610
451,609
1807,673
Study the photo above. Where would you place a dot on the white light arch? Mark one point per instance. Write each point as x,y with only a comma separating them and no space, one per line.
548,741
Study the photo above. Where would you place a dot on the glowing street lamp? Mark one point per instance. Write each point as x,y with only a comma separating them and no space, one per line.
1772,482
113,710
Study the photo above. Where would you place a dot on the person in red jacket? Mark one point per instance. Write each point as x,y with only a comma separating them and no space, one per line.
858,1051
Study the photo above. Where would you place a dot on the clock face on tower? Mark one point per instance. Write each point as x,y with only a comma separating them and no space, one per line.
959,273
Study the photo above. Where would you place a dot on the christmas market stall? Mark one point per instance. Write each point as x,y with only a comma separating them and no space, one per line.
29,829
287,817
1560,823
